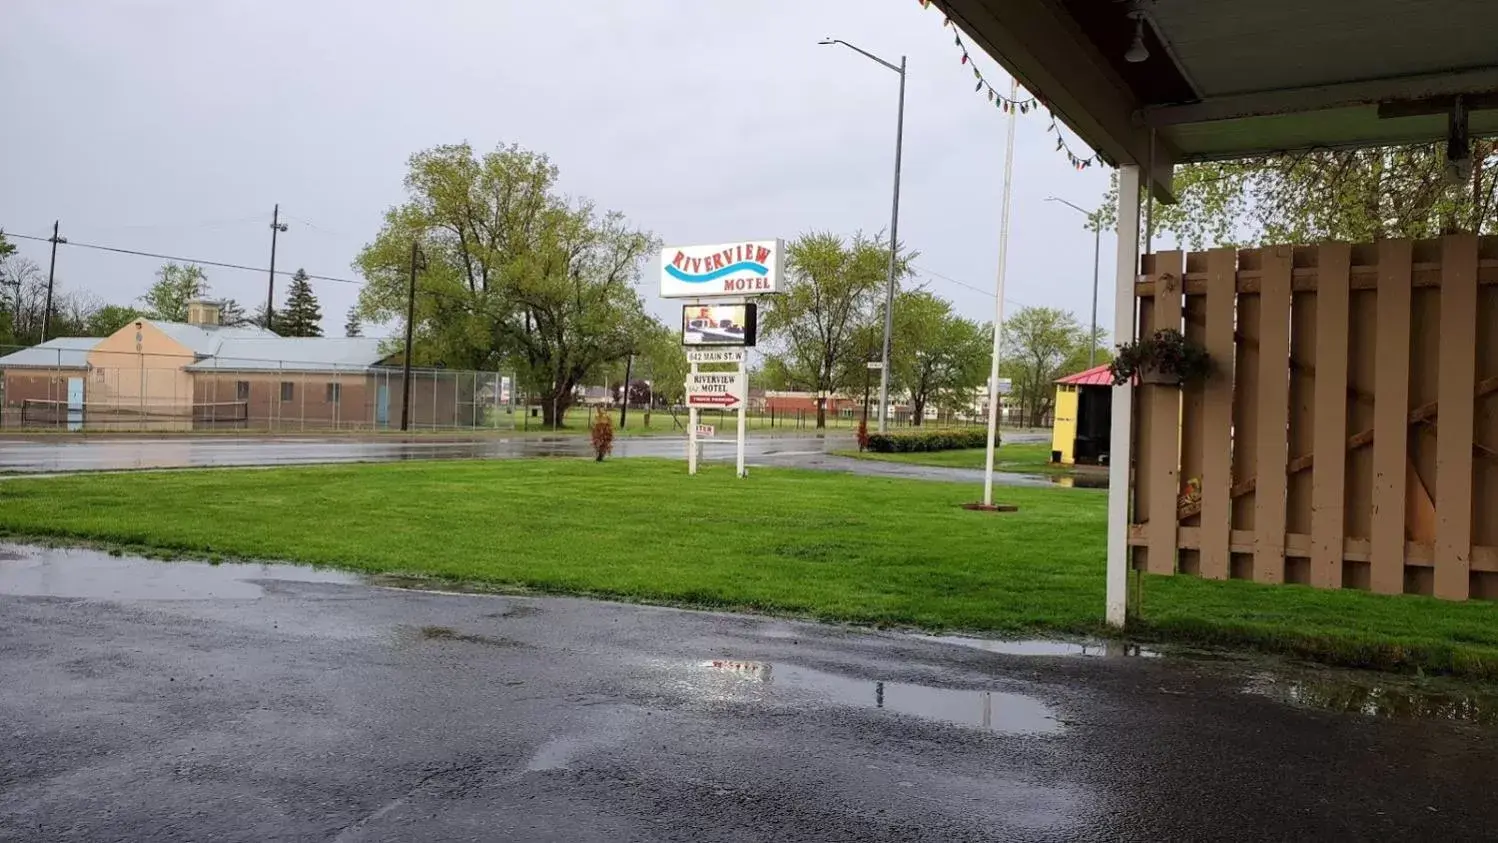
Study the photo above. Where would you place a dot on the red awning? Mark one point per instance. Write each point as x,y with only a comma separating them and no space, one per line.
1096,376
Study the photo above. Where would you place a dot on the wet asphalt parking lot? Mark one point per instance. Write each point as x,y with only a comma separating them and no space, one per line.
184,701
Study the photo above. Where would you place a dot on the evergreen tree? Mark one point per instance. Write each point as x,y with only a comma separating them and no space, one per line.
354,326
302,316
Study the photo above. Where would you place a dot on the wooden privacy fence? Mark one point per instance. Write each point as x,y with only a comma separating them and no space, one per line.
1349,435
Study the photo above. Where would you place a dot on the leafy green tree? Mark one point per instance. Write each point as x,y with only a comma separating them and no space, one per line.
1036,344
110,318
663,362
833,291
353,326
1355,195
936,355
8,298
301,316
516,274
176,285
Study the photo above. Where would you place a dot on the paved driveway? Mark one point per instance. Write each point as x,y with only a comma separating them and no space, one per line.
175,701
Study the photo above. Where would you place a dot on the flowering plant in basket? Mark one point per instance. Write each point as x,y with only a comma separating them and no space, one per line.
1165,357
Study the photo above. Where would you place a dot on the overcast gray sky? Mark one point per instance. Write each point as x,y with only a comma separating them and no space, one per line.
174,125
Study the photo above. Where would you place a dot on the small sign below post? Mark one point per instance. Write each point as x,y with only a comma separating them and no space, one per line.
715,355
715,389
876,365
706,431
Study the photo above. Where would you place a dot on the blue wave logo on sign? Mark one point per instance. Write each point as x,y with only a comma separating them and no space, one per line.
704,277
745,267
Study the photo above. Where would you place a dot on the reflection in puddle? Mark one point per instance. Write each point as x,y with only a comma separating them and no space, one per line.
989,710
1080,481
1046,647
71,572
1380,700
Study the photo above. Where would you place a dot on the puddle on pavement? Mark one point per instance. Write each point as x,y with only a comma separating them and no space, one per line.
994,711
1393,699
1078,481
1045,647
81,573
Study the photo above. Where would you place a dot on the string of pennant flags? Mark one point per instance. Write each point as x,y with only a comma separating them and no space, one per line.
1025,105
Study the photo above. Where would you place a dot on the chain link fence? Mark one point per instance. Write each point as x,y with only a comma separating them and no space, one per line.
64,389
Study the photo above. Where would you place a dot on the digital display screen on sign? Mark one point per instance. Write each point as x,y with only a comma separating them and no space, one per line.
719,324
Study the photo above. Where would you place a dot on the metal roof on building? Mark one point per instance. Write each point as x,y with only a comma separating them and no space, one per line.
206,340
1096,376
270,353
60,353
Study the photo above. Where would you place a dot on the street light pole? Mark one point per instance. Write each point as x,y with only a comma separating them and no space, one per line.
1097,242
894,228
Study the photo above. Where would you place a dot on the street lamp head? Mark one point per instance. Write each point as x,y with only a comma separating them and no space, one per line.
826,41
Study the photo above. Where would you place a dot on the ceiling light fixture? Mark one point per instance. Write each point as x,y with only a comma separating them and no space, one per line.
1137,52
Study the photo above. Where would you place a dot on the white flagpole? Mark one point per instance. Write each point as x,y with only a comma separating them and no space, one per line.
998,305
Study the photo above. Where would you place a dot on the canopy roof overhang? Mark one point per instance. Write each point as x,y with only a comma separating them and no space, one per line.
1226,79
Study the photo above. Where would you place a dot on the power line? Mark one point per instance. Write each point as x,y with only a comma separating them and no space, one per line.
199,261
924,271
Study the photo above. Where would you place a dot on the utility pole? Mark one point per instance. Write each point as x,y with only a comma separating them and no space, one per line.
417,260
629,364
51,272
276,227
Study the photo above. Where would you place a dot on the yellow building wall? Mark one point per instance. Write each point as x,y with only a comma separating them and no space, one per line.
140,369
1064,433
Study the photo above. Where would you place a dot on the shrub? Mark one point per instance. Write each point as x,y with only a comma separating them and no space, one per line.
912,441
603,434
863,434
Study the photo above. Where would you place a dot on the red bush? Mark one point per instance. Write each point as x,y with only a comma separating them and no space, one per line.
603,434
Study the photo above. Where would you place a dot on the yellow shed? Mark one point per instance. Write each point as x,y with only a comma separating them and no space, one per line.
1084,417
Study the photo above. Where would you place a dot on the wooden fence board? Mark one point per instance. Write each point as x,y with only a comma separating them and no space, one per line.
1245,409
1328,440
1217,416
1390,410
1274,417
1193,405
1165,416
1458,369
1302,417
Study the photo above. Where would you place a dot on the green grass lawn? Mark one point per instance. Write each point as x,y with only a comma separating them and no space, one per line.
822,545
1023,458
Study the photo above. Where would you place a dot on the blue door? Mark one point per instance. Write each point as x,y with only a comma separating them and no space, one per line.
382,405
75,403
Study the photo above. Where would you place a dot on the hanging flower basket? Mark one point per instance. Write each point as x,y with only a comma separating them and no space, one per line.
1165,358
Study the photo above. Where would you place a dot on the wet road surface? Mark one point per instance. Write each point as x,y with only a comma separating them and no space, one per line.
797,451
183,701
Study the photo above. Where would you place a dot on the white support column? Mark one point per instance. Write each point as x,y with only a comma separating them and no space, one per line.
1120,450
692,432
743,412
